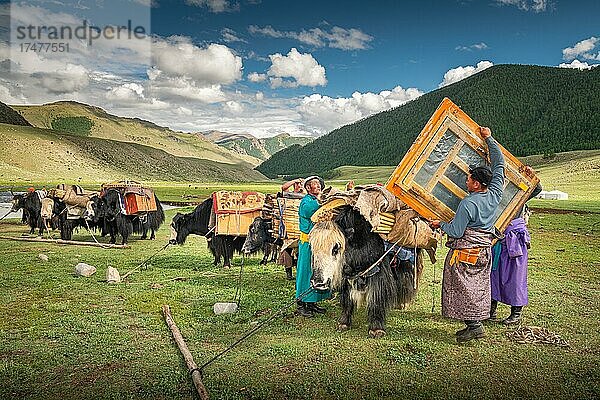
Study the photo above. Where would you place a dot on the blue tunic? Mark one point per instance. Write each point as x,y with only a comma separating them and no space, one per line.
307,208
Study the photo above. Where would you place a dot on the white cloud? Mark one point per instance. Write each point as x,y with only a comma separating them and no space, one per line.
577,65
256,77
582,49
233,107
536,6
476,46
126,93
301,67
322,114
336,37
259,96
215,64
460,73
169,88
7,97
183,111
229,36
215,6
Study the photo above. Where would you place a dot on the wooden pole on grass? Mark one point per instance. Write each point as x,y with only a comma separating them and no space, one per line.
189,360
60,241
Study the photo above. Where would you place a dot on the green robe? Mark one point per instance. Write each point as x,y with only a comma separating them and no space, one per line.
307,208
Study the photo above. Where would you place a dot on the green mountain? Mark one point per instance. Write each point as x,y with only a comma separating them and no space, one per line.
246,144
531,110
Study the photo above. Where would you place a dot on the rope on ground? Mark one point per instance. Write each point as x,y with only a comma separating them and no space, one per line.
144,262
536,334
87,226
256,328
6,215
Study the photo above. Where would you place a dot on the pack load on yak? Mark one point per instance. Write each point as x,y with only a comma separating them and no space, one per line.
78,201
224,219
285,217
233,212
135,198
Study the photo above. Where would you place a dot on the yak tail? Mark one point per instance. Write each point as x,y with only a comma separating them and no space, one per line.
406,281
157,218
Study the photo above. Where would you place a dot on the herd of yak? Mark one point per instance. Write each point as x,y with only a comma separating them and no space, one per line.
102,213
345,250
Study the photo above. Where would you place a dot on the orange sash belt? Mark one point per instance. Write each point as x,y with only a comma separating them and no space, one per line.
467,256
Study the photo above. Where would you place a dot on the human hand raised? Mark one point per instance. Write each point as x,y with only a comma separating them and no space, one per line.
485,132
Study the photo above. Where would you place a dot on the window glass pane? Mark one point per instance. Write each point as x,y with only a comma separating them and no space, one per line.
470,156
445,196
437,156
510,191
457,175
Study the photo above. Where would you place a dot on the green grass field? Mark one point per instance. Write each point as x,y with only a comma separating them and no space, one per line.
63,337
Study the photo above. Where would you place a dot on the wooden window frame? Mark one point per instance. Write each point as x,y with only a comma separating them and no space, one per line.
449,116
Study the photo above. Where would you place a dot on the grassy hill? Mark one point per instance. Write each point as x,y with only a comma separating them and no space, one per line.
10,116
90,121
260,149
44,155
531,110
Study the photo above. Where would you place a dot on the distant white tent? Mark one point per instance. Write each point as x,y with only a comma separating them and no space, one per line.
553,195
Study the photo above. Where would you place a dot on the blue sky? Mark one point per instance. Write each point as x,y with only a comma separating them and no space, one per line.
302,67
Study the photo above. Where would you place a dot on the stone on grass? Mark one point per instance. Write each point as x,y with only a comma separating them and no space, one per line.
43,257
83,269
225,308
112,275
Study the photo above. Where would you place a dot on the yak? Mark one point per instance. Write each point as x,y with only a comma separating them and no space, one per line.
197,223
260,236
68,223
31,204
108,212
343,249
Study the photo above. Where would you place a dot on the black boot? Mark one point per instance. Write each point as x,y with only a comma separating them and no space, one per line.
315,308
515,315
474,330
288,274
493,311
303,310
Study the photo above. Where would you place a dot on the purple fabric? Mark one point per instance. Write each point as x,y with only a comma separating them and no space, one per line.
509,281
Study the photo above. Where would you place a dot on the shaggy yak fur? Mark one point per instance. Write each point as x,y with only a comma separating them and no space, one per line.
68,225
108,214
345,247
31,205
260,236
197,223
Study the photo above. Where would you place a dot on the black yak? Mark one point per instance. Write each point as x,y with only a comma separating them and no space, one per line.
260,237
344,248
108,210
31,204
197,223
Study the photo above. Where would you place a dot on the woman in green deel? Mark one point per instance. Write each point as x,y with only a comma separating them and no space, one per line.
307,305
